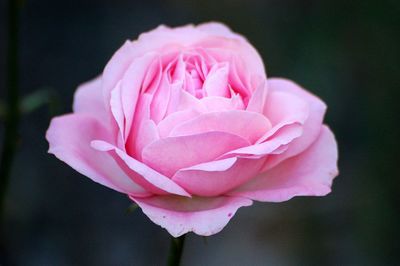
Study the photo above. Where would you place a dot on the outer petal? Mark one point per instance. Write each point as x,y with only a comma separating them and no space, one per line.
88,99
141,173
285,108
280,138
219,29
287,114
203,216
69,138
131,88
115,69
307,174
311,126
118,113
237,43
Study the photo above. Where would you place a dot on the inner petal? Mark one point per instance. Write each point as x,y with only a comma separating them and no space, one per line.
173,153
216,83
248,125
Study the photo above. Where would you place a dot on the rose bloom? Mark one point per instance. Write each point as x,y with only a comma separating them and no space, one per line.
185,122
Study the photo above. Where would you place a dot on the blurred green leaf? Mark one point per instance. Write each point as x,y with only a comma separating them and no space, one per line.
132,208
39,98
35,100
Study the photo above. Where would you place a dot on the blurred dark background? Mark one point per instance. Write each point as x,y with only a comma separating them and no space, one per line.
347,52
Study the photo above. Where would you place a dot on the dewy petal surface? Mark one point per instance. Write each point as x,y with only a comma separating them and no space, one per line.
203,216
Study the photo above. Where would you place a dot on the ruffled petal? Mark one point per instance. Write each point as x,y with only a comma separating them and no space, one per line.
203,216
307,174
311,126
273,145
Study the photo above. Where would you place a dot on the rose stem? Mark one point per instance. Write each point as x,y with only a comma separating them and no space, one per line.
12,108
175,250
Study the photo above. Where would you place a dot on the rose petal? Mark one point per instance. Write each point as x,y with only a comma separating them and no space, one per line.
307,174
219,29
208,35
142,114
88,99
281,137
118,113
153,77
152,177
203,180
171,154
216,83
131,86
282,107
219,104
311,126
181,100
115,69
203,216
69,137
247,125
175,119
241,48
258,98
147,134
161,99
214,166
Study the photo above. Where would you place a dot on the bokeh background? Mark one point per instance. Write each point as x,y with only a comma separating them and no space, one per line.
347,52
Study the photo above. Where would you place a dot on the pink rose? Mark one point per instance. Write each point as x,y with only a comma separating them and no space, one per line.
185,122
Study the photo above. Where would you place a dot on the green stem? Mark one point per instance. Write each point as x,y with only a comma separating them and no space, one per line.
12,110
175,250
